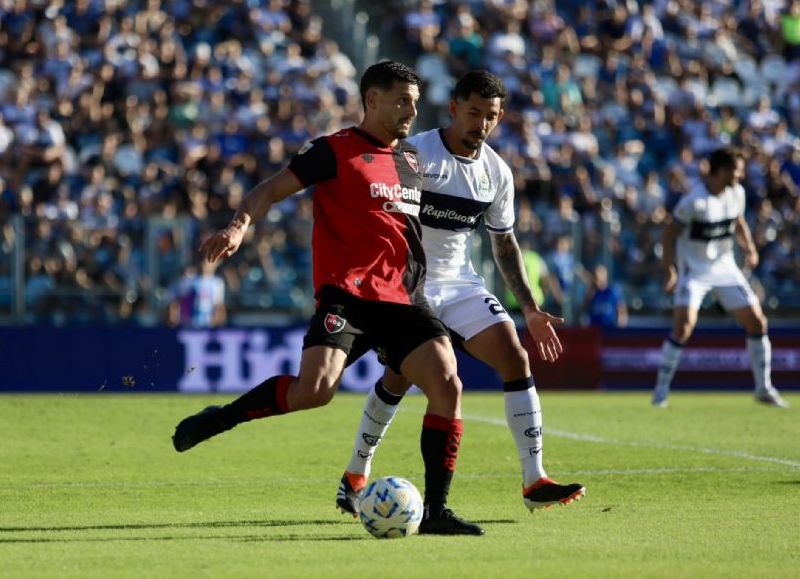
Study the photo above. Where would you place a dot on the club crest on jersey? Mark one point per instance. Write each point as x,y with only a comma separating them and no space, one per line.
484,185
334,324
412,160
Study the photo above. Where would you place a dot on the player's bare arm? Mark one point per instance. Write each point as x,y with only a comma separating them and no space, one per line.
254,206
671,232
509,261
745,239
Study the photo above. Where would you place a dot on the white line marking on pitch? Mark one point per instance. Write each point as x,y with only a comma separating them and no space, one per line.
326,480
676,447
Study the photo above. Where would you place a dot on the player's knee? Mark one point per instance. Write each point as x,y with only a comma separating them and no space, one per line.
316,391
446,389
514,363
520,359
763,325
683,332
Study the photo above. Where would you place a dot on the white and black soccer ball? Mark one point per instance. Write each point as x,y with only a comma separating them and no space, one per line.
390,508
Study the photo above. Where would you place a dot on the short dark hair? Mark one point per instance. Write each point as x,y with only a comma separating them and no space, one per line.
482,83
723,158
383,75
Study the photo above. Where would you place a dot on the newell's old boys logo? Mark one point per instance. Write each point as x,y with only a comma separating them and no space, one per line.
412,160
334,324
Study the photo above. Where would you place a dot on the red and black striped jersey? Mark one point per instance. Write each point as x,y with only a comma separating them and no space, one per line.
366,236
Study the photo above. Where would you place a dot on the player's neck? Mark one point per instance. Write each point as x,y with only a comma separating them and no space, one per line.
378,133
456,146
714,186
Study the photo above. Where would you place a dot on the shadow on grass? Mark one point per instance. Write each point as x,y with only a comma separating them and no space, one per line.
201,525
248,538
244,538
206,525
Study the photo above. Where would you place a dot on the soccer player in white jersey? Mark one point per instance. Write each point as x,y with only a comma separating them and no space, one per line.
464,182
704,224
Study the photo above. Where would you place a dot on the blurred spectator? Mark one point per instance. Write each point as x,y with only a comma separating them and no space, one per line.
545,287
603,303
198,298
422,26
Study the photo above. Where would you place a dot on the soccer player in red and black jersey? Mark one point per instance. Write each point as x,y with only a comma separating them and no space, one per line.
369,275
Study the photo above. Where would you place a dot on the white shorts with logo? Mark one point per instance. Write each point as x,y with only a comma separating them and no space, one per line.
731,289
465,307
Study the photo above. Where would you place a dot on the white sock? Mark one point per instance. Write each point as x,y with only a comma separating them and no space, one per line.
760,350
670,358
524,419
379,410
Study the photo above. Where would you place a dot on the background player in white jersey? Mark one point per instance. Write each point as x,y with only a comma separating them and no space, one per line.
464,181
704,224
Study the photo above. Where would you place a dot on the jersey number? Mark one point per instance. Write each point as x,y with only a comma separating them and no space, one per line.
494,306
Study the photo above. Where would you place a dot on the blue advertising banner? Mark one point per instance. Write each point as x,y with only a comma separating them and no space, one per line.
48,359
45,359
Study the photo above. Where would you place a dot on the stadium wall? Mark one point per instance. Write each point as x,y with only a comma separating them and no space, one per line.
45,359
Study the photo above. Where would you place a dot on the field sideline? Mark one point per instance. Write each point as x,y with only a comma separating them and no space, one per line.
91,487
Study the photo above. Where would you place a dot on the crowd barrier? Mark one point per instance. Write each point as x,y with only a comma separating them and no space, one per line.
113,359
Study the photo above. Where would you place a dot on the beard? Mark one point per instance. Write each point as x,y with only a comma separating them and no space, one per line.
472,145
402,129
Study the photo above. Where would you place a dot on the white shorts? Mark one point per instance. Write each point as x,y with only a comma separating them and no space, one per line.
731,289
465,307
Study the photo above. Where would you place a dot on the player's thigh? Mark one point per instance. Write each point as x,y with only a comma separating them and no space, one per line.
469,309
690,292
751,318
737,294
499,346
330,342
396,330
432,367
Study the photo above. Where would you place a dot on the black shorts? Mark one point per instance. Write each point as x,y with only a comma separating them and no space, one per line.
355,326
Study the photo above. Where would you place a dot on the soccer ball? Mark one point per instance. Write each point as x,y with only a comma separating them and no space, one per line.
390,508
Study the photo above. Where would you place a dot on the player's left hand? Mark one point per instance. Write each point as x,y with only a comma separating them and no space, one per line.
540,326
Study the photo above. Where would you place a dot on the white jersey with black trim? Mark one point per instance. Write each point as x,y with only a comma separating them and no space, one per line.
705,245
457,192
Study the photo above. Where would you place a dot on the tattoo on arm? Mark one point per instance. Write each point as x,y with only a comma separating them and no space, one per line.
508,258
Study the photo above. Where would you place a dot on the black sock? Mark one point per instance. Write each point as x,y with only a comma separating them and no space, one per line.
386,396
439,442
266,399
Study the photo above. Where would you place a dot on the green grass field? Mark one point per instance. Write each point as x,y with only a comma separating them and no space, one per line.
91,487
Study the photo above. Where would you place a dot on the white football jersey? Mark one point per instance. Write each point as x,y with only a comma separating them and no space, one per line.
457,192
705,246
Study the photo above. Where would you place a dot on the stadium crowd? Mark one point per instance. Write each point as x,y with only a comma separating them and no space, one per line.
128,129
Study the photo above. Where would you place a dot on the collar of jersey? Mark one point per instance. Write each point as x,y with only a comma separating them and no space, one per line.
456,156
372,139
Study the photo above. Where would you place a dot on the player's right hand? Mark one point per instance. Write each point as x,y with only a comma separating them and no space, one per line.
222,244
670,278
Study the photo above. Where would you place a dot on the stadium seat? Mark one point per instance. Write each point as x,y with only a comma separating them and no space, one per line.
753,92
665,86
7,79
698,88
773,69
725,92
747,69
586,66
